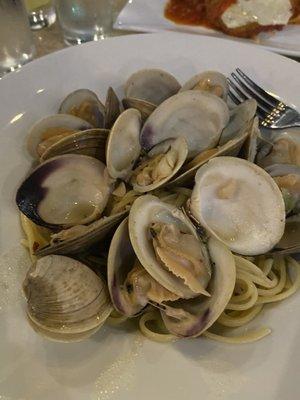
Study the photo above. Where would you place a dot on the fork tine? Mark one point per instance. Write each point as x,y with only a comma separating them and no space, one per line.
260,111
234,98
266,96
252,94
241,94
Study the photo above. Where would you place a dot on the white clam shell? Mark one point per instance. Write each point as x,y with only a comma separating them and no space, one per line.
121,258
65,121
151,85
179,146
199,117
66,190
146,210
123,145
202,312
80,96
240,204
66,301
213,78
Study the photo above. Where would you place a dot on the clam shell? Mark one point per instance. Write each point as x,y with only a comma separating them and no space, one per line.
50,126
145,211
207,81
65,191
76,241
144,107
285,149
240,204
178,145
249,148
197,116
72,103
152,85
202,312
240,117
232,147
66,301
123,145
121,258
290,241
91,142
112,108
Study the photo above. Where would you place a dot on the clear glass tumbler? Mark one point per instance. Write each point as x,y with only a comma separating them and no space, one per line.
16,41
84,20
41,13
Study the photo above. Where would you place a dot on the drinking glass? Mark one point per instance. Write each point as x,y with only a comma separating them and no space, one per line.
84,20
41,13
16,41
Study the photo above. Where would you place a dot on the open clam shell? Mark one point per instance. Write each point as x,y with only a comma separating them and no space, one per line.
240,204
285,149
290,241
151,85
190,318
209,81
160,165
65,191
240,117
249,148
66,301
121,259
123,145
85,104
165,241
144,107
112,108
287,177
79,238
91,142
199,117
49,130
231,148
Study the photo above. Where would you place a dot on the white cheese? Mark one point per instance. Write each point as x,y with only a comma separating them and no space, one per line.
264,12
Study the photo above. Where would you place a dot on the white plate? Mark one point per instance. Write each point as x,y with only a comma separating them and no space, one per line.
148,16
115,364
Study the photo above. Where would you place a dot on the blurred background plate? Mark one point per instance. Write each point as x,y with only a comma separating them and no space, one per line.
118,363
148,16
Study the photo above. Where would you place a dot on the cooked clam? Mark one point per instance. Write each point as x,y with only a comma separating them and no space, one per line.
240,117
131,287
143,106
285,149
124,135
160,165
66,301
242,132
65,191
49,130
91,142
208,81
168,247
151,85
239,204
112,108
80,237
199,117
190,318
287,177
85,104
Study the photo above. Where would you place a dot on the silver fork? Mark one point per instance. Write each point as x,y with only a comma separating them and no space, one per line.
272,112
